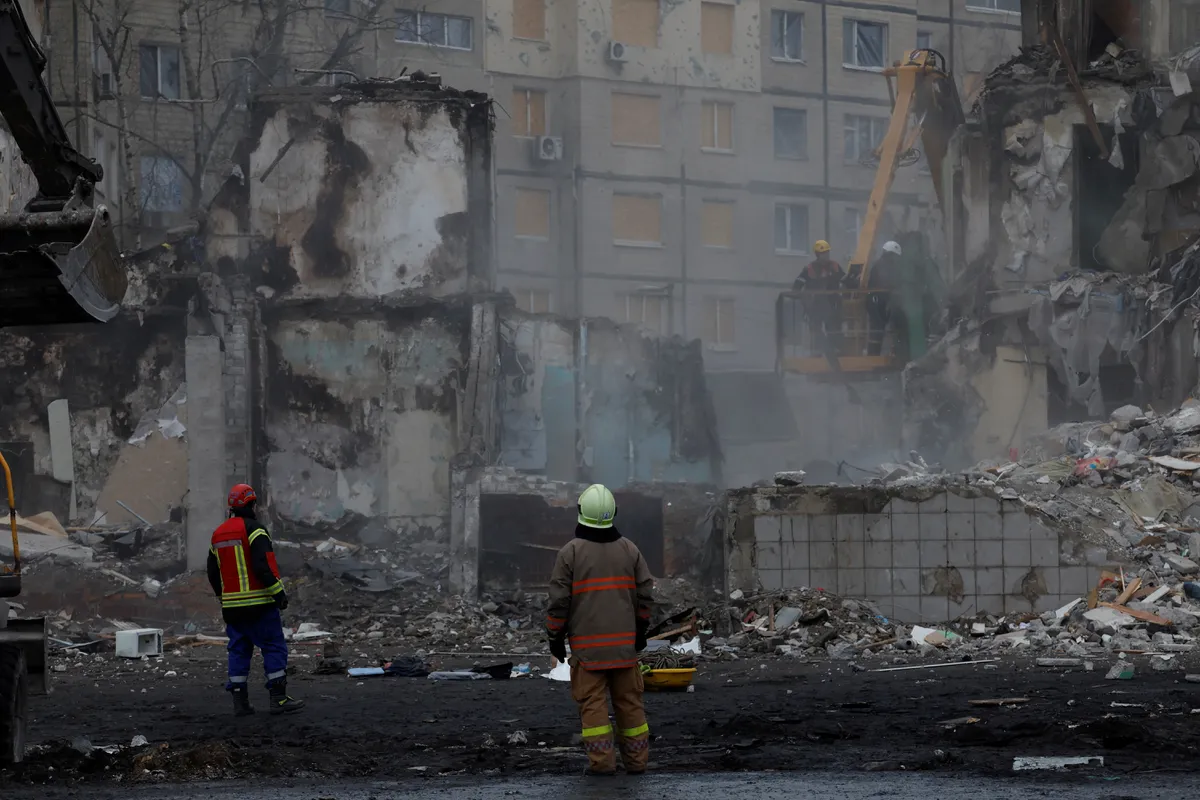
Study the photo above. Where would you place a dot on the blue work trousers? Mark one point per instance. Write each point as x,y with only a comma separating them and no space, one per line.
264,632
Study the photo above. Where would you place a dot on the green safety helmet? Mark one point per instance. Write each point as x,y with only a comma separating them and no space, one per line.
597,507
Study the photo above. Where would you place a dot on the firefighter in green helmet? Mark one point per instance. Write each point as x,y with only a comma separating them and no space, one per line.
600,595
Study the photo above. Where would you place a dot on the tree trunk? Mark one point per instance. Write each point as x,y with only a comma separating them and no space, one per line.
130,202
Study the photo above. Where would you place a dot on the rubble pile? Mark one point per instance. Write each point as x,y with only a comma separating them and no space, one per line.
808,623
1042,64
802,622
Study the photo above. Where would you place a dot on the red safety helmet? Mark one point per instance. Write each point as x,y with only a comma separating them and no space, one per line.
241,495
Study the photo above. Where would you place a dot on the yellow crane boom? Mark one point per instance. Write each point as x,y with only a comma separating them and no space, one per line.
925,103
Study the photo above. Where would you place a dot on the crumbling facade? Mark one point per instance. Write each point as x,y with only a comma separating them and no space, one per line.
1070,224
330,334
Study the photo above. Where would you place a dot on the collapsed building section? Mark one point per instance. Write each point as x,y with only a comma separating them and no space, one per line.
329,334
1071,224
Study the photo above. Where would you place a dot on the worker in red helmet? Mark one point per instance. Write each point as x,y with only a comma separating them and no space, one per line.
245,576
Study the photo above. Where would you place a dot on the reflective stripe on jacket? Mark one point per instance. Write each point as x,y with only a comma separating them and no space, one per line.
240,586
600,591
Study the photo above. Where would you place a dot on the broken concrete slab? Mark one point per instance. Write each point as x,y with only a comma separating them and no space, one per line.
62,453
1107,618
36,545
151,479
1181,564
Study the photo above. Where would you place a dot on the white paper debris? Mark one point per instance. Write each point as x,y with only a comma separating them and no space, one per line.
688,647
561,672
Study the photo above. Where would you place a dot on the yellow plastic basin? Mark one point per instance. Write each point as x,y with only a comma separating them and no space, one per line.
659,680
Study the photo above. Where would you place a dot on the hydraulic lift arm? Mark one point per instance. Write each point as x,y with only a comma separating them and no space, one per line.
59,260
925,92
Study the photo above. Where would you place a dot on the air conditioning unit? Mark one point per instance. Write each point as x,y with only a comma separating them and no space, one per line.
548,148
104,86
617,52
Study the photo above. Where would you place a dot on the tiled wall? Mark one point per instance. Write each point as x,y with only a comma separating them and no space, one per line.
929,561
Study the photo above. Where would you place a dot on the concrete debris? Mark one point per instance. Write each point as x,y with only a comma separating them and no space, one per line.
790,478
1056,762
1120,672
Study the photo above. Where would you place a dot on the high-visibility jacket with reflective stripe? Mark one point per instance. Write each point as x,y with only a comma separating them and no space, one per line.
600,588
240,585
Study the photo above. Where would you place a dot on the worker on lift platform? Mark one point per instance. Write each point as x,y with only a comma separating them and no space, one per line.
883,279
822,273
824,310
244,575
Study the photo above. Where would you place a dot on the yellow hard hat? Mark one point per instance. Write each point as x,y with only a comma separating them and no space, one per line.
821,246
597,507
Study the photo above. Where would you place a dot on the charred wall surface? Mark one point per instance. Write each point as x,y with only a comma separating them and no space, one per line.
361,416
111,377
376,189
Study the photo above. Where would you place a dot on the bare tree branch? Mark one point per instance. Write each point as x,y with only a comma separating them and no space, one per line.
218,74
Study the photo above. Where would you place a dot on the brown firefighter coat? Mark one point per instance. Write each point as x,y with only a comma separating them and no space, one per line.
600,595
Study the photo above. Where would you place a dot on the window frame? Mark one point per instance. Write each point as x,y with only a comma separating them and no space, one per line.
928,37
785,13
791,237
528,295
775,116
529,127
851,21
720,201
419,15
612,116
663,296
533,237
716,106
158,71
990,8
859,215
883,121
342,10
645,244
143,192
722,344
637,41
542,38
732,27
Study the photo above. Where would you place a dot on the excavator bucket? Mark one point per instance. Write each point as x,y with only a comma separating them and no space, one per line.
59,267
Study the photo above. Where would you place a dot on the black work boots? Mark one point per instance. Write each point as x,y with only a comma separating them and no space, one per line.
241,702
280,702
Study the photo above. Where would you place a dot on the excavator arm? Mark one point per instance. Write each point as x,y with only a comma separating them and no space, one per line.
926,103
59,259
59,263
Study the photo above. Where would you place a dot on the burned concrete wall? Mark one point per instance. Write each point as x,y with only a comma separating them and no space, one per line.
112,377
922,554
360,417
372,190
119,401
590,400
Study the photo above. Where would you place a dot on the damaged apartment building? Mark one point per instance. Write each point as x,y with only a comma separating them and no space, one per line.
330,333
1072,233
